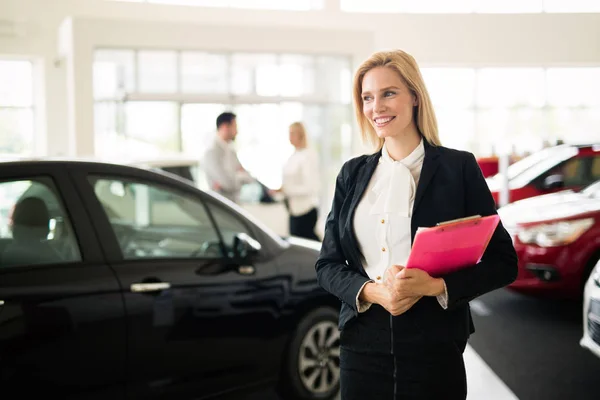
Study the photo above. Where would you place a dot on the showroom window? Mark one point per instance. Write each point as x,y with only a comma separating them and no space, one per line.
471,6
154,102
528,108
293,5
16,107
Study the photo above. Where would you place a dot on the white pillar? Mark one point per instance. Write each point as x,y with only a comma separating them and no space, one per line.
78,58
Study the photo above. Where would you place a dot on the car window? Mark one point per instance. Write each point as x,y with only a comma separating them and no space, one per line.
155,221
552,155
595,168
542,165
578,171
34,227
228,224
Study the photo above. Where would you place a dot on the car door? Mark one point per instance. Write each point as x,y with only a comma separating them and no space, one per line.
199,320
62,318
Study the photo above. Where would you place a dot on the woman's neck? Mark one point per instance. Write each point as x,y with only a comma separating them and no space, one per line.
399,147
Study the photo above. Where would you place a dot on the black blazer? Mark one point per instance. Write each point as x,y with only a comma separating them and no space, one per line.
451,186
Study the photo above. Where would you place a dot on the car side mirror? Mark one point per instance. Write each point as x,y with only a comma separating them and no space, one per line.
245,247
556,181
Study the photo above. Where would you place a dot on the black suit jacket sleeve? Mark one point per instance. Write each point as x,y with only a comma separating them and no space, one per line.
498,266
333,274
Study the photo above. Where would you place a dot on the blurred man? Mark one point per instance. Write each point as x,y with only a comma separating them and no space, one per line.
223,170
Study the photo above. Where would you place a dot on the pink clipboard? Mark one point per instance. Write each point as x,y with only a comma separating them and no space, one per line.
452,245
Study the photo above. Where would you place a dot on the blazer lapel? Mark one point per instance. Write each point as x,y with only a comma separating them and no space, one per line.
430,165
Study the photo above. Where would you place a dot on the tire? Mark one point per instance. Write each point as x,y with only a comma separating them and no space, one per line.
310,375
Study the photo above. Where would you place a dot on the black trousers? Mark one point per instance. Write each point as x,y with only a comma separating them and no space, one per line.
304,225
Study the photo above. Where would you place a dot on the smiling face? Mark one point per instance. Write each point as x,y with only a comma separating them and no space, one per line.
387,103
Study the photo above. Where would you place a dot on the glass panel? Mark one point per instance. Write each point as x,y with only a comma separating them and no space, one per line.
152,221
296,5
573,86
505,87
422,6
334,79
250,4
114,73
437,6
263,135
203,73
450,87
228,224
35,227
198,126
154,124
574,125
16,131
254,73
571,6
457,128
157,71
297,74
16,89
508,6
523,129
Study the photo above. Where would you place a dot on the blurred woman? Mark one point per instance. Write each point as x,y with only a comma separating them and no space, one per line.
301,185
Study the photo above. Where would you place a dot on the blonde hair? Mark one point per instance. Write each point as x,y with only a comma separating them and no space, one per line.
300,127
408,70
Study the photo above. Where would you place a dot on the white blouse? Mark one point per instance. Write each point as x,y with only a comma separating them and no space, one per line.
386,210
301,181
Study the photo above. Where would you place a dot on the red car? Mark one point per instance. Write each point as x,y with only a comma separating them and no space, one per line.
557,239
550,170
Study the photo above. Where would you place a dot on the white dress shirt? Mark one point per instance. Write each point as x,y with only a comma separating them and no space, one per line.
222,166
300,182
386,210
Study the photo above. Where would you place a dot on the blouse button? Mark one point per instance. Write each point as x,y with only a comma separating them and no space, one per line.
383,221
383,249
379,278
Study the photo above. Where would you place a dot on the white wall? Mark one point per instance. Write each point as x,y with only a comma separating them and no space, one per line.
470,39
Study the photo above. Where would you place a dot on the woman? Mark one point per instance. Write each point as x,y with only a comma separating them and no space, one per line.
301,185
403,337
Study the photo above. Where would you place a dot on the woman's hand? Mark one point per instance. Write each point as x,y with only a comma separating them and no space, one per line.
407,282
399,305
396,302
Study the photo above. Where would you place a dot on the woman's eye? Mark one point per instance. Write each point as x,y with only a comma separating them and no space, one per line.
366,98
388,94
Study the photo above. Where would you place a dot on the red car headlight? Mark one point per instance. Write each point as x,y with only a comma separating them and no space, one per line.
555,234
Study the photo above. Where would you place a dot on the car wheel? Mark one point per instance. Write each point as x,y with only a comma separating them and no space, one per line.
312,368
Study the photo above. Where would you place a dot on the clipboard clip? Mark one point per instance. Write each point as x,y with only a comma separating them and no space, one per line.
453,221
458,222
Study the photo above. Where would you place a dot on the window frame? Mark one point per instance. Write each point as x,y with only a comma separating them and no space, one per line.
32,108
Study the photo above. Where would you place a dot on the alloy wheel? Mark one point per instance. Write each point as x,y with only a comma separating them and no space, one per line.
319,358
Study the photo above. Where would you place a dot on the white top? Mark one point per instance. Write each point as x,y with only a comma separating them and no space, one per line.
300,182
222,166
382,221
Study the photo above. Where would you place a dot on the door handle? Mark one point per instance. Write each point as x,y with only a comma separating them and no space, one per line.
149,287
246,269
